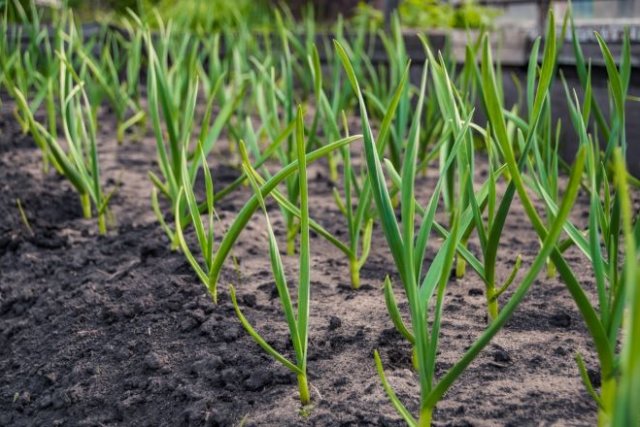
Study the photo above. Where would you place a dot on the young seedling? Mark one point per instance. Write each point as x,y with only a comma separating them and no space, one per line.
297,320
24,217
337,96
497,142
32,69
284,105
104,73
608,224
603,322
625,410
396,51
407,251
360,219
174,102
462,171
355,187
472,207
78,161
214,257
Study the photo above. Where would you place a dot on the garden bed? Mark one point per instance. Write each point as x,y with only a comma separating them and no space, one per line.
117,330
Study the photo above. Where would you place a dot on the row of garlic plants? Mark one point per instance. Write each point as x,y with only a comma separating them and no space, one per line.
280,108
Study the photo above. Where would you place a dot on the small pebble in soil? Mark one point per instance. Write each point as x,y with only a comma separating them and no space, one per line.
209,328
594,377
560,320
230,376
231,333
155,385
334,323
475,292
249,300
459,410
45,402
207,367
8,243
341,382
134,382
60,399
501,355
154,361
560,351
198,315
47,239
388,335
188,324
51,377
151,250
536,361
258,380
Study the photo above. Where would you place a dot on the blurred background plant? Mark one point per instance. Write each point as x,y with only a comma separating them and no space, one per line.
369,14
439,14
431,14
197,16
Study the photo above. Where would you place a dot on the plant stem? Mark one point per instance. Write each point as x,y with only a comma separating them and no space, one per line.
119,134
461,266
175,243
291,244
102,224
305,399
85,201
292,233
607,397
425,417
551,269
333,168
492,303
355,272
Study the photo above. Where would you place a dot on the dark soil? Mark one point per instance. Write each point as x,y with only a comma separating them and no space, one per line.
117,331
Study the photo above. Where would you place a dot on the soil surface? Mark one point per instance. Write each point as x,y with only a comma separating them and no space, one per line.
116,330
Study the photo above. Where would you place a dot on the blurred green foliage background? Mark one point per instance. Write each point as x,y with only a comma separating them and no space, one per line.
203,16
